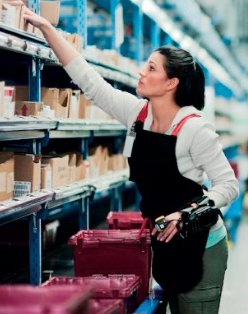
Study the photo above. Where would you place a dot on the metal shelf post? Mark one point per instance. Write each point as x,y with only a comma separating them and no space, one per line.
35,248
167,40
35,5
34,80
138,26
116,199
83,217
155,35
82,20
113,5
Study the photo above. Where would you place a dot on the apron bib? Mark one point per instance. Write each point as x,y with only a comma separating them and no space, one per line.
177,265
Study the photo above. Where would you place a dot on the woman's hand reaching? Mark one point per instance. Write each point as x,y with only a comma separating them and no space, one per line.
171,230
34,19
63,50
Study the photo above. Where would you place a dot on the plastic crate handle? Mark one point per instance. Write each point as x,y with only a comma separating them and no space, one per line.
146,222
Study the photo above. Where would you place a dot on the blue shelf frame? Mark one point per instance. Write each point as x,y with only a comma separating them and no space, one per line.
138,34
82,20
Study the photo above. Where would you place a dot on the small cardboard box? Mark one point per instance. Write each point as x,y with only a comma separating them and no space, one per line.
84,107
64,103
28,108
28,173
50,10
21,93
76,41
82,168
72,167
19,11
60,169
57,100
46,177
6,175
9,104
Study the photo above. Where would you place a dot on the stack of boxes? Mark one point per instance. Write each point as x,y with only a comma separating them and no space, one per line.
55,103
12,14
21,173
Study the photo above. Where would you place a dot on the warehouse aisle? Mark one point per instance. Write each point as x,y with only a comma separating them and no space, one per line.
235,293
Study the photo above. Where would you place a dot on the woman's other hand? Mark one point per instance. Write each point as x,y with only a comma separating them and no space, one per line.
171,230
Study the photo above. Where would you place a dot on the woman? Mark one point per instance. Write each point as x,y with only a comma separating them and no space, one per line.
171,146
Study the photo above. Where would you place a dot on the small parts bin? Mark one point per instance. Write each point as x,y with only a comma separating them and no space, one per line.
99,306
124,288
25,299
124,220
113,252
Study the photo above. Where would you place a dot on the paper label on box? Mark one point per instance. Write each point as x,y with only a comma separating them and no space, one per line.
3,176
10,182
48,182
22,188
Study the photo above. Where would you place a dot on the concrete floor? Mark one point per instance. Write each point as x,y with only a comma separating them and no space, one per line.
235,291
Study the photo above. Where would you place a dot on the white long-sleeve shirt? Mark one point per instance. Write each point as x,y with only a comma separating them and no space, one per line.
197,150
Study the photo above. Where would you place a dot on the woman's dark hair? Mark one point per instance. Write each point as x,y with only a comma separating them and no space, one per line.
179,63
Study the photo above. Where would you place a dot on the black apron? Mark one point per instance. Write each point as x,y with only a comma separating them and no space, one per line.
177,265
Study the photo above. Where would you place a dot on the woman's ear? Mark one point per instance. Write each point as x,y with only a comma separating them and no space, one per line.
172,83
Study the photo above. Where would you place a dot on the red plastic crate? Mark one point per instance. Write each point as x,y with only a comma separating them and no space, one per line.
98,306
124,220
25,299
113,252
124,288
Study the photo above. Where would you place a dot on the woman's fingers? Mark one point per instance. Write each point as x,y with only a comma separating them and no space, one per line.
27,11
168,233
154,231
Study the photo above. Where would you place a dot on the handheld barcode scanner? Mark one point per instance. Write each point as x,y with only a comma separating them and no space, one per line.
160,223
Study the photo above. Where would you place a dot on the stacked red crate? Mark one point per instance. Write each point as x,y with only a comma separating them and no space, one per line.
123,288
113,252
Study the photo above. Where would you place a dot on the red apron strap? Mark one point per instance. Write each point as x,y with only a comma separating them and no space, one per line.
181,123
143,113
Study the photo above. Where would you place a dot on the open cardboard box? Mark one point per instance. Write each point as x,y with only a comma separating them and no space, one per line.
6,175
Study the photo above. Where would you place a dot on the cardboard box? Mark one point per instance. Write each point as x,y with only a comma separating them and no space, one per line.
46,177
28,173
6,175
76,41
9,103
50,10
116,162
72,167
64,103
21,93
8,16
28,108
17,19
82,168
84,107
57,100
60,169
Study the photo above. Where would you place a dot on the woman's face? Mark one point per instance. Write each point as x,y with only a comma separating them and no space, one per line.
153,80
